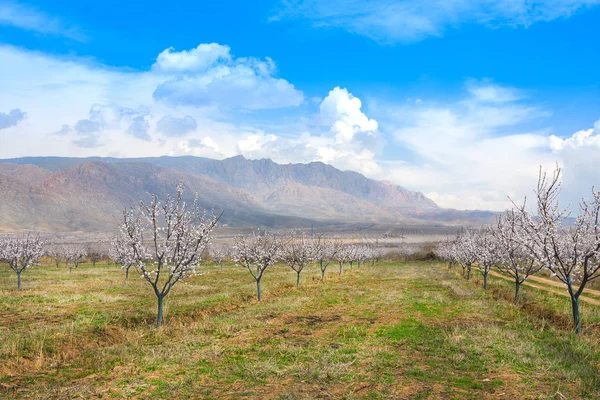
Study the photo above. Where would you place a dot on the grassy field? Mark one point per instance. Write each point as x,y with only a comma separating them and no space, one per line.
403,331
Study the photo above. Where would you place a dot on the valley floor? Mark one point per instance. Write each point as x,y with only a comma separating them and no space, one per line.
402,331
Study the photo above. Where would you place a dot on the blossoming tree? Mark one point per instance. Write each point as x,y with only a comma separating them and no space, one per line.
165,240
21,253
571,253
257,252
298,252
516,250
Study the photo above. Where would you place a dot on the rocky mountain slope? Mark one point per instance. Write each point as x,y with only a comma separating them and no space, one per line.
78,194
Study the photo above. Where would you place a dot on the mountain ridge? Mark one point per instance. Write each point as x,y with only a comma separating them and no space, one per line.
223,170
87,194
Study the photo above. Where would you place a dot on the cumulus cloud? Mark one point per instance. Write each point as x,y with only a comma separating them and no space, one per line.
468,153
103,117
588,138
197,59
342,111
12,118
579,156
390,21
203,147
88,141
213,78
348,139
472,153
257,144
139,128
88,131
88,126
205,142
66,90
175,126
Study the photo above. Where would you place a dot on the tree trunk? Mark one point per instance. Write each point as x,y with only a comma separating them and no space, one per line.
517,291
126,273
322,275
297,279
468,272
358,263
485,280
159,317
19,281
341,266
576,315
258,289
575,306
351,262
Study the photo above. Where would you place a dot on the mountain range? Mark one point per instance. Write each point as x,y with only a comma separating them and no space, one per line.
60,194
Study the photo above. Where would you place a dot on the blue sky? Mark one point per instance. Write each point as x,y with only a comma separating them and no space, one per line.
462,99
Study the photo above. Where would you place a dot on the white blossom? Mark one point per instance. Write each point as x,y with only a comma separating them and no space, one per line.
21,253
176,234
256,253
74,254
570,251
299,251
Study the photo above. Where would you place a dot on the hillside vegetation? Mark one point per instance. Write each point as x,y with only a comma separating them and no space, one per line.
393,330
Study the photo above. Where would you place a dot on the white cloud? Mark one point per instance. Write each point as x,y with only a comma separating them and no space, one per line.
489,92
349,140
588,138
106,117
197,59
255,143
579,156
206,142
28,18
203,147
175,126
474,153
59,95
470,153
139,128
246,83
64,130
390,21
12,118
342,111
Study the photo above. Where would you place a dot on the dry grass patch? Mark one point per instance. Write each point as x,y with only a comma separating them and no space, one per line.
413,330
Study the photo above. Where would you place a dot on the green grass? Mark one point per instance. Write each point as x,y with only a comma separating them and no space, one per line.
408,330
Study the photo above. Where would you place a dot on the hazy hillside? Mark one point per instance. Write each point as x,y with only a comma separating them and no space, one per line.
263,176
72,194
90,196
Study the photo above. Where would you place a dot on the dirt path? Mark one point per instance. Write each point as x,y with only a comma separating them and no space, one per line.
540,285
561,285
